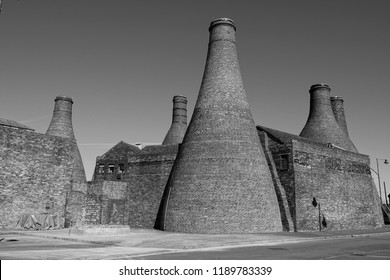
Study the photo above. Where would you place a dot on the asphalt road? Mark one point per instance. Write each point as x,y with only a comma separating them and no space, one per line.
374,247
355,248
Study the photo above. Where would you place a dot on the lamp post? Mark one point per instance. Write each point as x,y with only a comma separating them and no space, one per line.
315,204
379,178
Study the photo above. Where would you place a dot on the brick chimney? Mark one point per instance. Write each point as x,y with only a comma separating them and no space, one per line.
321,125
337,103
220,181
61,125
179,121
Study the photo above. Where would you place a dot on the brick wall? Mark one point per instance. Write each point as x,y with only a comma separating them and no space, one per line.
148,176
340,181
36,177
285,173
283,192
113,164
145,173
93,203
106,203
342,184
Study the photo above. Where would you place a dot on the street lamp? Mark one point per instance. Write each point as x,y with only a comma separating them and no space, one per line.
379,178
315,204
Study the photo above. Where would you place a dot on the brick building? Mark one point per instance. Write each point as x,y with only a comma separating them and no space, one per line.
326,188
41,173
317,184
222,174
143,172
317,180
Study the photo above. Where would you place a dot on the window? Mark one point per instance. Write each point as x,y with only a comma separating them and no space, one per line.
101,168
111,168
121,168
283,162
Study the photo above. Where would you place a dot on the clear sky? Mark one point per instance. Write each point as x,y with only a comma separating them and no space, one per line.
123,61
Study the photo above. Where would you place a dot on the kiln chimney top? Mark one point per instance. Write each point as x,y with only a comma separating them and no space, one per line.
222,21
318,86
65,98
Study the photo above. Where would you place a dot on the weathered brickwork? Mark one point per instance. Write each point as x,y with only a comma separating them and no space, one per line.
178,127
221,175
280,146
75,201
337,103
61,126
106,203
145,173
321,125
150,174
36,173
93,203
341,183
220,181
42,173
114,163
281,193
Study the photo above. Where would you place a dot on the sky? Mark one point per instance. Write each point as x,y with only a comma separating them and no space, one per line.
122,62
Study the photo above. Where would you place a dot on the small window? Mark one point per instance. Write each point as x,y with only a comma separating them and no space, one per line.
121,168
283,162
111,168
101,168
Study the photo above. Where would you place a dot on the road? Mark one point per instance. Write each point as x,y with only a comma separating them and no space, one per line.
374,247
22,247
357,248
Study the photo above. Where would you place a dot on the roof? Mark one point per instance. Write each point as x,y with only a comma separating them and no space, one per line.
160,149
130,147
120,149
281,136
10,123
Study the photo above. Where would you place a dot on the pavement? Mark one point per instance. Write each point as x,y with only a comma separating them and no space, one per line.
142,242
